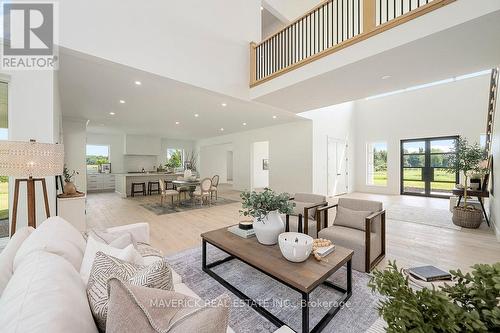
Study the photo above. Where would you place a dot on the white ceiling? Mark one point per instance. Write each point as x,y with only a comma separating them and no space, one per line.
91,88
463,49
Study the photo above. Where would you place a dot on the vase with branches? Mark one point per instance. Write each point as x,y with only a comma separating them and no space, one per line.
69,186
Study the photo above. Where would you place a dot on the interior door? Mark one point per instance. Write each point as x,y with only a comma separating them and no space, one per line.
425,166
337,171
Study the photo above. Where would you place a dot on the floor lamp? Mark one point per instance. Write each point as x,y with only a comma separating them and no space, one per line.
30,162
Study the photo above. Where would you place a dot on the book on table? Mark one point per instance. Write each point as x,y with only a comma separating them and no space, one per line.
429,273
244,233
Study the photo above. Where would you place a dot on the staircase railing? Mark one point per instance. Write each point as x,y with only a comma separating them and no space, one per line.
327,28
492,99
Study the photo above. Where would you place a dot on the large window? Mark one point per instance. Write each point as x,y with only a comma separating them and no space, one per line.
175,158
4,180
376,164
96,155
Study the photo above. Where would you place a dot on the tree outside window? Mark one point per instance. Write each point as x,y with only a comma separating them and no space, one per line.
175,158
96,155
377,164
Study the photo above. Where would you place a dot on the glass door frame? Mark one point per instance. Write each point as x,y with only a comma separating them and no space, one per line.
427,175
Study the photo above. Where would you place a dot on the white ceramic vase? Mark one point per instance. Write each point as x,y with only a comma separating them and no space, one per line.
268,230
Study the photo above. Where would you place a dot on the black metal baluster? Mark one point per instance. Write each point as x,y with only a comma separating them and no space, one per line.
337,22
353,21
359,17
347,19
386,10
394,13
402,6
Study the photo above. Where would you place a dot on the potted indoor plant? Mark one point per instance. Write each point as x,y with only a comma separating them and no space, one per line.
468,159
469,304
265,207
69,186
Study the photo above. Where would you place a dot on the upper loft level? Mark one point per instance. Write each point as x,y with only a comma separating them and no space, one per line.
340,49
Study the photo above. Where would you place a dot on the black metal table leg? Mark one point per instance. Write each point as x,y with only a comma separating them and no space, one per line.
484,211
305,313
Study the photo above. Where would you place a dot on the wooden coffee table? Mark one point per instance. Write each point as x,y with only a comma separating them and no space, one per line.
302,277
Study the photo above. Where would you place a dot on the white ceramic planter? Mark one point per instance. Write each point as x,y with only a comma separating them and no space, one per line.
268,230
295,246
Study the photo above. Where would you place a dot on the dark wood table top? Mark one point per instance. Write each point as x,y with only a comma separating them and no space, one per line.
304,276
472,193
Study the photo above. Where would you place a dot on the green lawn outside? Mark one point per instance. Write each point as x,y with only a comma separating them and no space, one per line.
414,176
4,200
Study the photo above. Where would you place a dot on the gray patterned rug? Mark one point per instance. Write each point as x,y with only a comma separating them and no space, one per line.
167,208
422,215
356,316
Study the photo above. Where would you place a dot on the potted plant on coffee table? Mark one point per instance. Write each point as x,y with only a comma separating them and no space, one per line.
265,207
467,159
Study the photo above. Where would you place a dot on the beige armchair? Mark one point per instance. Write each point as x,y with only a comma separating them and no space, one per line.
359,225
305,218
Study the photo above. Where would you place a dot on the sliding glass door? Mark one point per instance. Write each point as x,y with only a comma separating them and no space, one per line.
425,166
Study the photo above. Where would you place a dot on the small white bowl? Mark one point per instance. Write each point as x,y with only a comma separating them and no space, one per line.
295,246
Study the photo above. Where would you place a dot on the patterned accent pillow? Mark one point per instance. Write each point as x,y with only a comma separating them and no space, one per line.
157,275
147,250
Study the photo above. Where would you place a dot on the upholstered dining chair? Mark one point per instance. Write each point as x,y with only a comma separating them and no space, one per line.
203,191
215,184
164,193
359,225
304,217
182,189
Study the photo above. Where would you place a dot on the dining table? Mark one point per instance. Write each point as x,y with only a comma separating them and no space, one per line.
190,184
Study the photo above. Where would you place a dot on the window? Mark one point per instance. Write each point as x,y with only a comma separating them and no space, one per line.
96,155
376,164
175,158
4,180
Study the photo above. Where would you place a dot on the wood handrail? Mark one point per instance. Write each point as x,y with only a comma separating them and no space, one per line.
370,29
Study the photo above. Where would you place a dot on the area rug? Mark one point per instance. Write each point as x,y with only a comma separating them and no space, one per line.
356,316
167,208
429,216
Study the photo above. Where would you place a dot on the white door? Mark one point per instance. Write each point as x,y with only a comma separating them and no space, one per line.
337,160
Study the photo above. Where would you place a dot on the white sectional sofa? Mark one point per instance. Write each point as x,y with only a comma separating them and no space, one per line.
40,286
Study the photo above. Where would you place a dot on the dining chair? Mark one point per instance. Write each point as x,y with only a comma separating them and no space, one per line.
204,191
164,193
182,189
215,184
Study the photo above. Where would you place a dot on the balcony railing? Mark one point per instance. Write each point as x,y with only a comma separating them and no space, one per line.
327,28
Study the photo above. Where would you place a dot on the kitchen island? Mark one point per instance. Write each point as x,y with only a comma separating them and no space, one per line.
123,181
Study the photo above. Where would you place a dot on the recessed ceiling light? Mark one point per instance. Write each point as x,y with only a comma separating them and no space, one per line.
138,83
122,101
222,129
112,113
177,122
385,77
244,124
196,115
224,104
261,8
274,117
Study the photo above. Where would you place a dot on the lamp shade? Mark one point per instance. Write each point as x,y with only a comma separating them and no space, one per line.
31,159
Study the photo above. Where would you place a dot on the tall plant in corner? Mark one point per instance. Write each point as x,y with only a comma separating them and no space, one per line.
468,160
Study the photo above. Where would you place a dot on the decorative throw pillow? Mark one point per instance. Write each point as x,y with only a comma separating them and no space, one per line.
147,251
119,240
299,209
157,275
128,254
138,309
351,218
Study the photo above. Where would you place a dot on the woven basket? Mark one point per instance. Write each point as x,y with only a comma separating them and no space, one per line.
467,218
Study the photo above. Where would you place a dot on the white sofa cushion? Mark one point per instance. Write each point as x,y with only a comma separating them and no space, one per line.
139,231
45,294
129,254
9,253
55,235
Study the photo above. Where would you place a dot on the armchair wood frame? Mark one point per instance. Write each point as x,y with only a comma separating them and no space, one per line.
368,228
305,217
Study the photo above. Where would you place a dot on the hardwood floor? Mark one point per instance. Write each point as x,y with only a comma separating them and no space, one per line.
408,243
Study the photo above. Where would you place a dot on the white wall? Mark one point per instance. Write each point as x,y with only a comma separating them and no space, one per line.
116,144
260,177
288,10
213,161
32,115
203,43
335,122
495,193
74,138
457,108
290,155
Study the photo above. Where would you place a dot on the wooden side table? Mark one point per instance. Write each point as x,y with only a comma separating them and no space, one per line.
478,194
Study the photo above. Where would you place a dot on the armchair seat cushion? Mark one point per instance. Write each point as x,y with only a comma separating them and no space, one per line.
351,218
213,188
170,192
353,239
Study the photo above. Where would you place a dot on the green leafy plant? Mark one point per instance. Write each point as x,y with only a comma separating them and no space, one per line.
68,175
467,159
471,304
259,204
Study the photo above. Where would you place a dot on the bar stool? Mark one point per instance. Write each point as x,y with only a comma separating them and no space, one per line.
169,185
151,187
142,190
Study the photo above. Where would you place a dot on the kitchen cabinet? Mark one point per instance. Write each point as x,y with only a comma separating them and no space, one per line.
100,182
